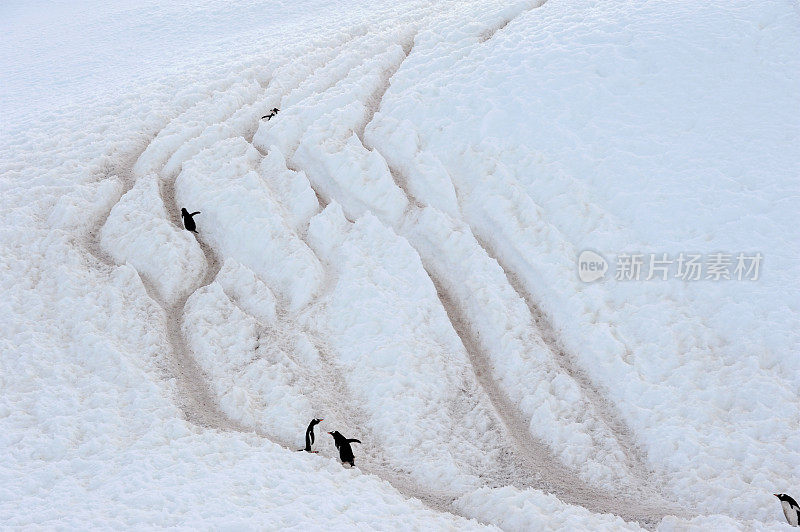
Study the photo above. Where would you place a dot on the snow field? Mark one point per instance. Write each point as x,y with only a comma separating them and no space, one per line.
463,158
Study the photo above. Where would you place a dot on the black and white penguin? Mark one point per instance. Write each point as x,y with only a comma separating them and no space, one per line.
310,436
790,508
272,113
188,222
345,451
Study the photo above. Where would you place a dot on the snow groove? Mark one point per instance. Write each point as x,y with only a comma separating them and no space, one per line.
603,408
373,103
531,462
490,32
196,400
531,455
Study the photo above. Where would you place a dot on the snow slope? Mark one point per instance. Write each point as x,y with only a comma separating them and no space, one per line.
577,96
395,252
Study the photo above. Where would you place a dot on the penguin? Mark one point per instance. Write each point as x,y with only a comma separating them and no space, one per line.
272,113
790,508
188,222
345,451
310,436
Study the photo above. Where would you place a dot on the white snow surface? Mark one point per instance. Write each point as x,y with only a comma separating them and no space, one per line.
395,252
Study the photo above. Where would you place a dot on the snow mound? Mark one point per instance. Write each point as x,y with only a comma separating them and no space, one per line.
82,208
512,509
251,375
139,232
243,220
247,291
291,188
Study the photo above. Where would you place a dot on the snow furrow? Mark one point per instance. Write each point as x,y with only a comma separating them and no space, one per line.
373,103
551,475
603,408
516,12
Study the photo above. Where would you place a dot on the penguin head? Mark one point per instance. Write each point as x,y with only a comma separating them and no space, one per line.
315,421
184,212
787,499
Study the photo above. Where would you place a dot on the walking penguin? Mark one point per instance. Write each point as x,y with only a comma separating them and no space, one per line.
310,436
790,508
345,451
188,222
272,113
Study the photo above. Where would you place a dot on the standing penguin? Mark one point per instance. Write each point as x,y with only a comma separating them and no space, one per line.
188,222
310,436
345,451
790,508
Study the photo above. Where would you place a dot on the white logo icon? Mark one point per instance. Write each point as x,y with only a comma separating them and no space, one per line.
591,266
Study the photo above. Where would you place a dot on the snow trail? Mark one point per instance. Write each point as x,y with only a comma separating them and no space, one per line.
373,103
537,467
603,408
195,398
550,474
534,463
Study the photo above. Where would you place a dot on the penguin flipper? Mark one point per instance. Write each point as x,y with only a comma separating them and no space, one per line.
353,441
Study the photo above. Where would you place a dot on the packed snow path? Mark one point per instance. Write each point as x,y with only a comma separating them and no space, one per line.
346,81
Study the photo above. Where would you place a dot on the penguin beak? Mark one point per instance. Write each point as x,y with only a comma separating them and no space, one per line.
776,495
330,433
